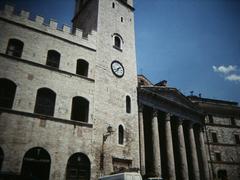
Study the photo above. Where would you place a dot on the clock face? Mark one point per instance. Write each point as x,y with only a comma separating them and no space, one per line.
117,68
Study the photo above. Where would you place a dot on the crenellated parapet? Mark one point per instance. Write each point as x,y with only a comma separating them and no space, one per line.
65,32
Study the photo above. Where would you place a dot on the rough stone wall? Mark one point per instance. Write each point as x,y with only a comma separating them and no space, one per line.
18,134
226,146
87,18
110,107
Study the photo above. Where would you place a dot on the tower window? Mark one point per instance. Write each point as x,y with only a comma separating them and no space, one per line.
218,156
128,104
210,117
80,108
53,58
214,137
45,102
78,167
117,42
7,93
82,67
121,19
113,5
233,122
1,158
120,134
237,139
15,48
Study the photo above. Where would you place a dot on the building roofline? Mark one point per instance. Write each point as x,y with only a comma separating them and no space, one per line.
217,101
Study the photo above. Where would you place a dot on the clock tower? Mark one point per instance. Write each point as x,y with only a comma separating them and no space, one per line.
115,95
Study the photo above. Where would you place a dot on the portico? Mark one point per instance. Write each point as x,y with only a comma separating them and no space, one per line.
171,135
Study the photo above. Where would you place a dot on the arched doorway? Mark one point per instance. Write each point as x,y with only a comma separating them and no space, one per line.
1,158
36,164
222,174
78,167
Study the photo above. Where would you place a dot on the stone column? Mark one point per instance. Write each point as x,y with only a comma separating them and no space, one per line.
141,140
169,149
182,151
193,153
156,146
203,155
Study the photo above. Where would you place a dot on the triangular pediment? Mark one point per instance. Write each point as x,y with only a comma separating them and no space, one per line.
173,96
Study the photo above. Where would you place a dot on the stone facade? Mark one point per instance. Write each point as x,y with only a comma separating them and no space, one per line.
192,137
222,136
171,127
60,136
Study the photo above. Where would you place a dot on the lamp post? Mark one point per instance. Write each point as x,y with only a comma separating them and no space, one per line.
105,136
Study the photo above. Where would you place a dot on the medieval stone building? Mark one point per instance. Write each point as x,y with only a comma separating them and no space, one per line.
222,136
68,96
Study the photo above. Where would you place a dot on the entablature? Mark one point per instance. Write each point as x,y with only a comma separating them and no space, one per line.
172,103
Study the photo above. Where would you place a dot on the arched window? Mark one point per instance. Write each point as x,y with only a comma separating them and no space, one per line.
15,48
117,42
45,102
1,158
78,167
82,67
128,104
7,93
36,164
113,5
80,108
53,58
120,134
222,174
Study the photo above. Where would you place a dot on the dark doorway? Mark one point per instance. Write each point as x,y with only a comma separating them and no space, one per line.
1,158
7,93
36,164
80,107
78,167
222,174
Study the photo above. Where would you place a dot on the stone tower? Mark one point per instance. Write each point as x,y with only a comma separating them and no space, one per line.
114,22
68,97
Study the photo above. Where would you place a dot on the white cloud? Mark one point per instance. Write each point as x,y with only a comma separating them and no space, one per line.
233,77
224,69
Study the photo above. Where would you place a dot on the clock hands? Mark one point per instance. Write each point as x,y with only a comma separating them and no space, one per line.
117,69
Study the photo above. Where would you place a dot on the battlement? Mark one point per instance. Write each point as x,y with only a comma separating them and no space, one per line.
51,28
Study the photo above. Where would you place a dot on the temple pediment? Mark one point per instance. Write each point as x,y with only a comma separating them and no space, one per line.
168,100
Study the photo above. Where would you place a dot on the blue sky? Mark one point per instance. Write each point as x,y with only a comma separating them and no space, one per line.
193,44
